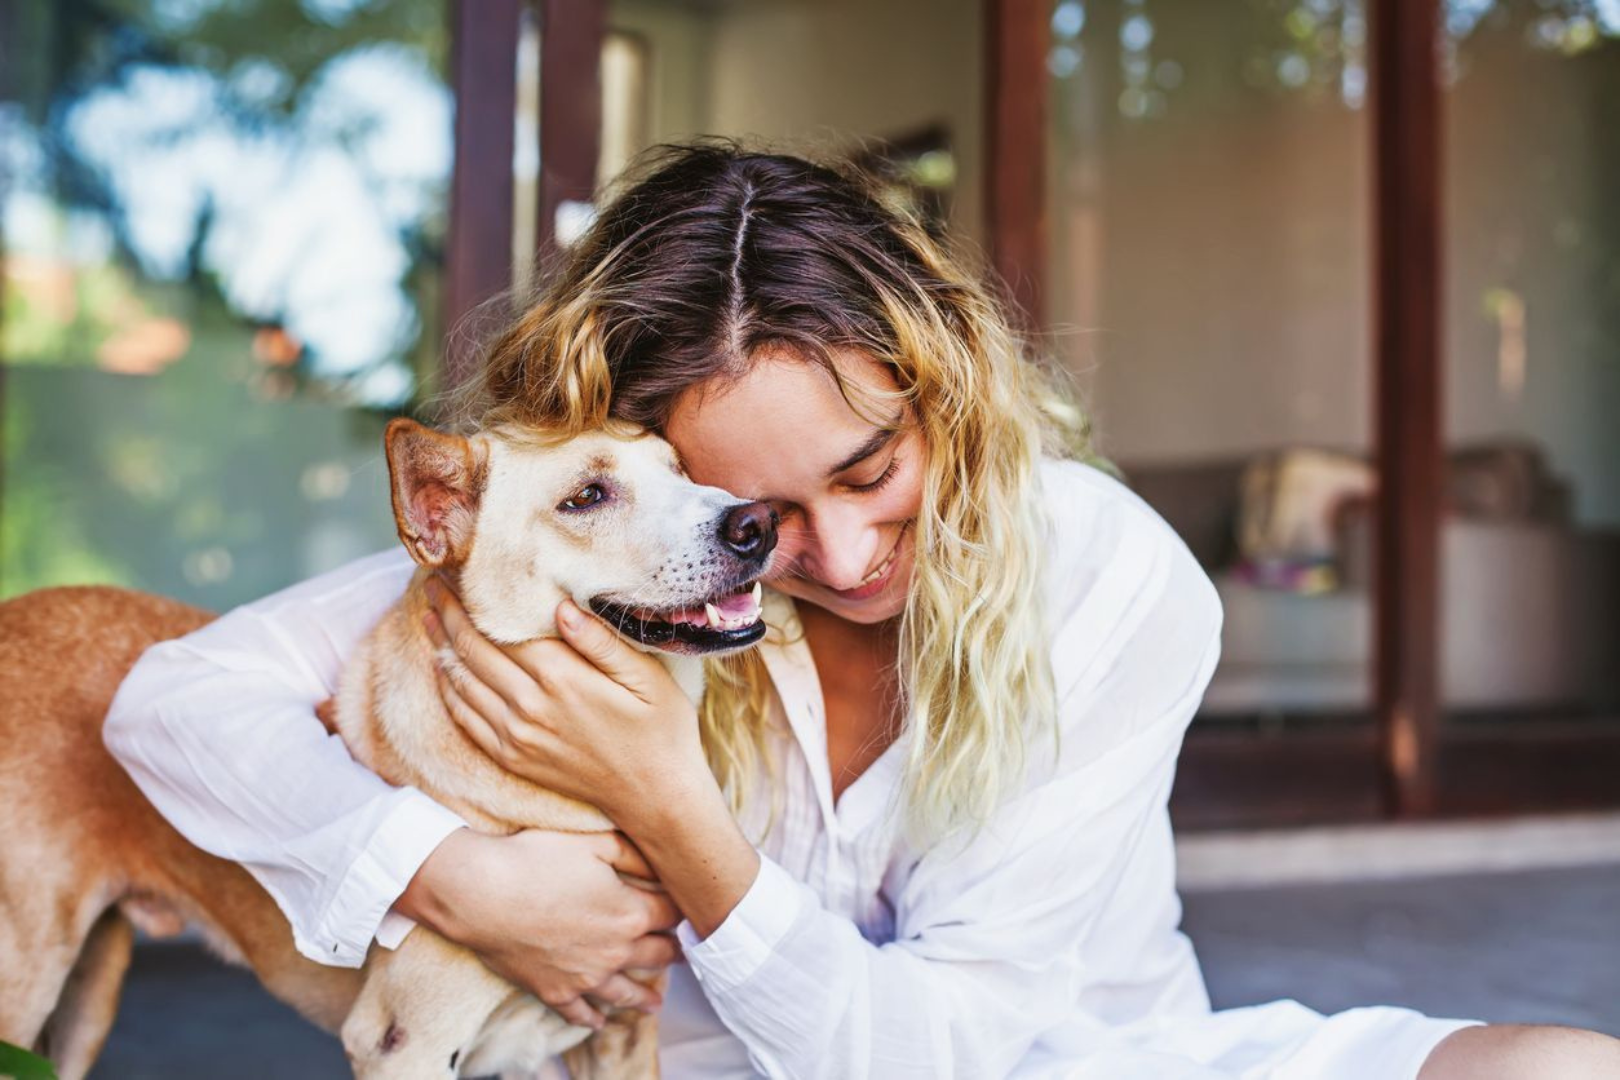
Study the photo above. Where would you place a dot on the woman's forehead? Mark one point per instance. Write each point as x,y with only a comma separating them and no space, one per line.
785,417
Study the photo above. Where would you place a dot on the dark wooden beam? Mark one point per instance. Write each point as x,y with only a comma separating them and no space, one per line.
1528,767
1016,87
570,108
1407,297
484,38
1230,778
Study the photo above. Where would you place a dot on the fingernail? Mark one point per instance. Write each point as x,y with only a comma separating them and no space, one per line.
430,620
568,615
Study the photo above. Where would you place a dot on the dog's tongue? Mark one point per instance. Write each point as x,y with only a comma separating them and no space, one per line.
738,609
738,605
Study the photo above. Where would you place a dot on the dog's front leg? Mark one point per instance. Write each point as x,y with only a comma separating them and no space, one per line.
424,1007
627,1048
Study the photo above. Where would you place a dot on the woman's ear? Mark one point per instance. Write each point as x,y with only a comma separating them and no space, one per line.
437,481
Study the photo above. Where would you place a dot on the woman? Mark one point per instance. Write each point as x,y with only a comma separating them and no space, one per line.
922,830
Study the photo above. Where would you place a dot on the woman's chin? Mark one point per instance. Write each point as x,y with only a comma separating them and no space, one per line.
888,603
879,609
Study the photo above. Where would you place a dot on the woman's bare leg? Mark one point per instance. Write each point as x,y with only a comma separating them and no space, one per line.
1523,1052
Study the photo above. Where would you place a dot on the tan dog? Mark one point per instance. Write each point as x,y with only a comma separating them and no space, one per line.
518,524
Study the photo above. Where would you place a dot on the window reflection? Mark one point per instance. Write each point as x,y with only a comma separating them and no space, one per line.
1530,538
1210,283
199,145
222,229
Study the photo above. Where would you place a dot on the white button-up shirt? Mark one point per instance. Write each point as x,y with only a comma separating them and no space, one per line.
1046,944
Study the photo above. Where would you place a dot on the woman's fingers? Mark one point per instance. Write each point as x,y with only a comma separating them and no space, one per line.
623,992
607,651
625,857
486,702
658,909
654,951
470,720
653,905
580,1013
483,659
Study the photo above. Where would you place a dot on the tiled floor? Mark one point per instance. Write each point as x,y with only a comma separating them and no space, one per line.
1531,947
1540,947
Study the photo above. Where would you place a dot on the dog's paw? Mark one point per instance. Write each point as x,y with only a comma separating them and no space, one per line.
520,1037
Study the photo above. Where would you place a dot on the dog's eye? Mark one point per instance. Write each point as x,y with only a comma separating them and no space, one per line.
586,497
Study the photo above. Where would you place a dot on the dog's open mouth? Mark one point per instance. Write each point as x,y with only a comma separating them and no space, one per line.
732,621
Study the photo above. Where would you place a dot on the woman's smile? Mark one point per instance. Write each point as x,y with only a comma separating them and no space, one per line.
878,580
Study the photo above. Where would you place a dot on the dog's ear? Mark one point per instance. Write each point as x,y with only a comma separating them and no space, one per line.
437,481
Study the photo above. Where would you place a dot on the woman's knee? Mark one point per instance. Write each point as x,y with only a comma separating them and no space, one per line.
1523,1052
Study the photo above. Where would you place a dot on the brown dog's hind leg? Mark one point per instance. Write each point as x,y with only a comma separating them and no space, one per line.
38,948
74,1034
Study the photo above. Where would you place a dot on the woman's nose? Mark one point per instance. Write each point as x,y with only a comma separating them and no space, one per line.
837,554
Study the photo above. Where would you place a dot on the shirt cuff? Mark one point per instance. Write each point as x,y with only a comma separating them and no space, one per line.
732,954
359,910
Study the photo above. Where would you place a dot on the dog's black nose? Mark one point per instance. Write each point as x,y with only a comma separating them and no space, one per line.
749,530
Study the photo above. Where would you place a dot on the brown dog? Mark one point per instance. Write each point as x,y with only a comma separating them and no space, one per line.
518,523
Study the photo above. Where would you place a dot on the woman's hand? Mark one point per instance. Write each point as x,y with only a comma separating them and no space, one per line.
549,912
593,718
586,715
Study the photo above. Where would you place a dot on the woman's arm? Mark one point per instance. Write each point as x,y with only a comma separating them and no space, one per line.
990,935
587,715
549,911
998,936
218,729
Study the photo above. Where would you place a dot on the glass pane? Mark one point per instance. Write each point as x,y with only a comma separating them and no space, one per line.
1530,544
810,76
1209,285
222,244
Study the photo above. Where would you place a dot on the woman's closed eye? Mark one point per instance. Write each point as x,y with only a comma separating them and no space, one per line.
883,478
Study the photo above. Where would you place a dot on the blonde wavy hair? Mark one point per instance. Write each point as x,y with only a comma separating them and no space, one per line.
711,254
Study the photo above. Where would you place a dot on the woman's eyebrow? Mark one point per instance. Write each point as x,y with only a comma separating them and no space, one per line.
880,438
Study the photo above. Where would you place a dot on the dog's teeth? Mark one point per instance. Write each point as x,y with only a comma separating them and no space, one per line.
758,595
714,615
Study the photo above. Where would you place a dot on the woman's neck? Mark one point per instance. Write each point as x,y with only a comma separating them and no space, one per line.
856,666
874,640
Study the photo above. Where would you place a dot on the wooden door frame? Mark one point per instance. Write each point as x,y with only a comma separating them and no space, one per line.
1408,372
478,254
484,73
1016,121
570,108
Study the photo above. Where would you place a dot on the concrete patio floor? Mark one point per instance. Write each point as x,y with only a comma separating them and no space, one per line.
1540,946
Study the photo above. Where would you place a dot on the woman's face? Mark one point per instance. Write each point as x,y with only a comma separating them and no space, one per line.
848,489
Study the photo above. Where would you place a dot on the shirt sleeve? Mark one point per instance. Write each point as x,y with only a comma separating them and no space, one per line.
218,730
993,934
